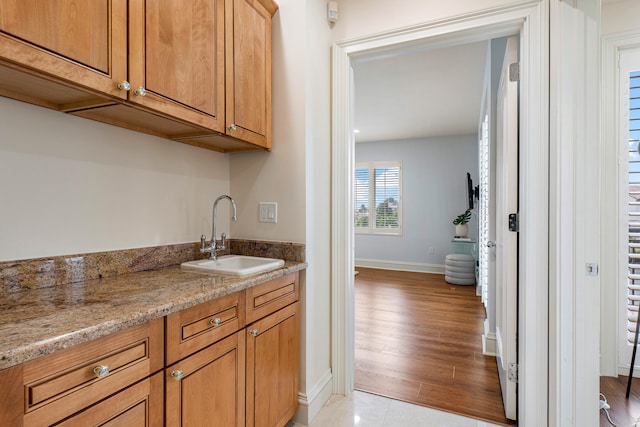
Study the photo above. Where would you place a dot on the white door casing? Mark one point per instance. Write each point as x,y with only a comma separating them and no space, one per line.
507,241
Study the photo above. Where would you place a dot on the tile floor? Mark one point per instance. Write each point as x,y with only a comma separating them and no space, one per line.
368,410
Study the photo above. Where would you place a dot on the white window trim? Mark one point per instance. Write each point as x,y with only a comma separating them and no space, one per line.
629,61
613,239
370,229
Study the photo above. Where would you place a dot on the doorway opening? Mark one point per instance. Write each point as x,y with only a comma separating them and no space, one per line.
525,20
439,108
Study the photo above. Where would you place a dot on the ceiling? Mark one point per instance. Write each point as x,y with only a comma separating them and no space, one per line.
419,94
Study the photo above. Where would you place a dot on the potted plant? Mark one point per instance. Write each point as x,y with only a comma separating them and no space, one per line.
462,229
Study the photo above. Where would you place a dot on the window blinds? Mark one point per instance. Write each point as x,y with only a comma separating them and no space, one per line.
633,295
377,198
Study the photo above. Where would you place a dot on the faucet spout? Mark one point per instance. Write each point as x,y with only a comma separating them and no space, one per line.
214,244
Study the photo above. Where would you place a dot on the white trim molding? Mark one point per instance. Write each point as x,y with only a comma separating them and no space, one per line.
489,344
489,340
530,21
417,267
309,404
574,241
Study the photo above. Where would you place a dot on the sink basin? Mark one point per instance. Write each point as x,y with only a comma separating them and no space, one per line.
234,265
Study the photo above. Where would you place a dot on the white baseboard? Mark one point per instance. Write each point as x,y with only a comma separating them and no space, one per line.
624,370
400,266
489,345
309,404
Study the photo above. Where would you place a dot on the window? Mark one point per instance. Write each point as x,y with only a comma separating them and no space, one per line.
378,198
633,200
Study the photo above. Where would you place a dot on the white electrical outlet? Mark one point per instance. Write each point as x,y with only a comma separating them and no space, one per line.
268,212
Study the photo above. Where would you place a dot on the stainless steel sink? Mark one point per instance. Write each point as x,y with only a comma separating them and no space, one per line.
234,265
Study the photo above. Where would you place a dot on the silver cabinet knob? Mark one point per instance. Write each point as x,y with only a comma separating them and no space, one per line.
490,244
232,126
124,85
140,91
253,332
101,371
177,374
215,321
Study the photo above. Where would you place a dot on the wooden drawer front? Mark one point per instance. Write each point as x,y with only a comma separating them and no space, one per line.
197,327
271,296
64,382
77,376
139,405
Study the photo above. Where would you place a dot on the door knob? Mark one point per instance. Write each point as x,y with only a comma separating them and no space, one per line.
491,244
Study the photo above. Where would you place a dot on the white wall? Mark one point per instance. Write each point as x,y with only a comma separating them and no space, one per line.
72,185
433,194
318,200
278,176
620,17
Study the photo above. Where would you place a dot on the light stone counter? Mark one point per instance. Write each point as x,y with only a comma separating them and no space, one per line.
38,321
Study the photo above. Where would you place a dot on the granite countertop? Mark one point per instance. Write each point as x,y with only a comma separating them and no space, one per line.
36,322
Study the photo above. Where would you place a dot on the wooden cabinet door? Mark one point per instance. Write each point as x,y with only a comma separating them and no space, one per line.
248,79
273,364
176,54
82,42
207,388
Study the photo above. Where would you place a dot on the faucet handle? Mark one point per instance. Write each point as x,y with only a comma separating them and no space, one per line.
223,239
203,242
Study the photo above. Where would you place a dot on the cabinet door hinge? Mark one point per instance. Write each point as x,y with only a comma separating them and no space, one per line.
514,72
512,373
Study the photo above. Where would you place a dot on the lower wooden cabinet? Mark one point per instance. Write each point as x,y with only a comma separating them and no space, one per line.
216,370
207,388
273,364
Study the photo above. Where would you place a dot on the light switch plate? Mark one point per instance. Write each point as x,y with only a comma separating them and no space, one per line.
268,212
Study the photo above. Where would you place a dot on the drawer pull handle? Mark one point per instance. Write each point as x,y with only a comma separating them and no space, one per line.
101,371
254,332
215,321
177,374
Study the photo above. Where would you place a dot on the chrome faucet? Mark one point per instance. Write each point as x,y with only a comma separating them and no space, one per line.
213,246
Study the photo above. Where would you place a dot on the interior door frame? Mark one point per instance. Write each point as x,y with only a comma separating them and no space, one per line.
530,20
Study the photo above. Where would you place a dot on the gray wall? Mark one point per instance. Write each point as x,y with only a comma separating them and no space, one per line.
433,194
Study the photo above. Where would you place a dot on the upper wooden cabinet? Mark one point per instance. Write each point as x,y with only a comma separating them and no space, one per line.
196,71
82,44
249,70
176,59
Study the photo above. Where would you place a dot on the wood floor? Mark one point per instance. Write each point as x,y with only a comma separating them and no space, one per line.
418,339
623,412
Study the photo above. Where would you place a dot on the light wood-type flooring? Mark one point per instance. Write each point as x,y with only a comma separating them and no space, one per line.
418,339
623,412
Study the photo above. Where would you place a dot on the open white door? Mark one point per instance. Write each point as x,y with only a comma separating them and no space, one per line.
506,244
